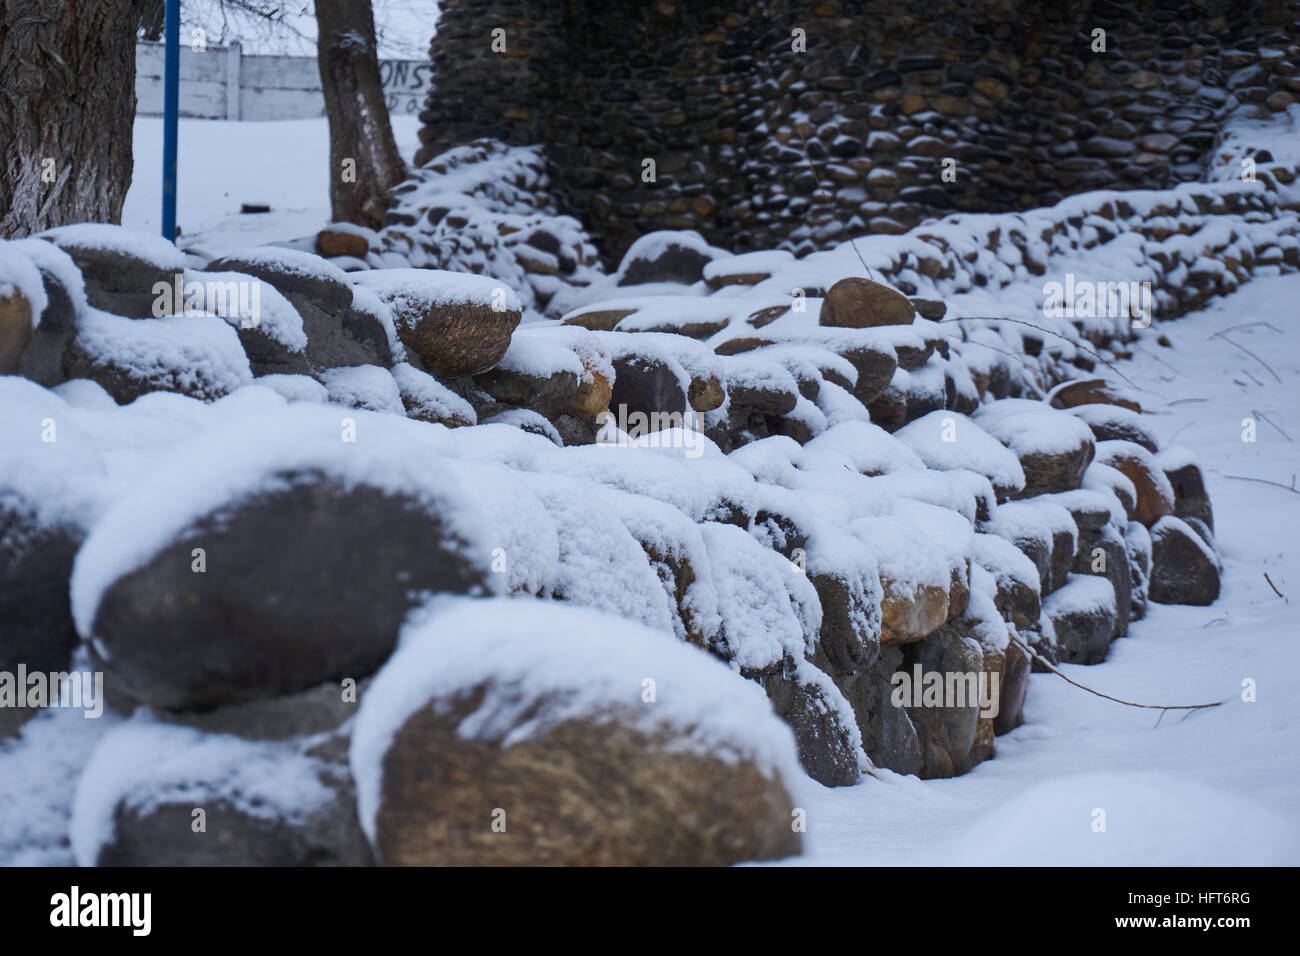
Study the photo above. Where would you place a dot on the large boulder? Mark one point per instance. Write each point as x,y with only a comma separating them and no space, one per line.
857,303
947,440
156,794
457,323
666,256
195,355
1184,568
512,732
1155,495
338,331
889,736
124,270
1091,391
825,729
1054,448
65,299
1082,614
1191,500
272,556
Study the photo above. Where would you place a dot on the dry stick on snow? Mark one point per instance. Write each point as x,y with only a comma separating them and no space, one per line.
1264,481
1248,352
1128,703
1259,414
1077,344
1274,587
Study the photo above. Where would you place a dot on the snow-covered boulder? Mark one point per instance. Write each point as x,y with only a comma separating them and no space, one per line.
1054,447
195,355
158,794
458,324
273,553
667,256
946,440
1082,615
1184,567
524,732
123,269
338,332
1155,495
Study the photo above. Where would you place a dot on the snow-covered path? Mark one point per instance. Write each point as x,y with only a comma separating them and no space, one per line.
1219,787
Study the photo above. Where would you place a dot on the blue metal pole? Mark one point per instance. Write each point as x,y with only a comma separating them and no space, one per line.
171,111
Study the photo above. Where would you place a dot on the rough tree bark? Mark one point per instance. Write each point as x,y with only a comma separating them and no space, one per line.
67,108
364,161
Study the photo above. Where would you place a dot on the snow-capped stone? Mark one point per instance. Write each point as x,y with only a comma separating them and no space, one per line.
457,324
1184,568
314,547
947,440
426,399
122,269
1082,613
264,803
530,707
196,355
1155,495
1054,448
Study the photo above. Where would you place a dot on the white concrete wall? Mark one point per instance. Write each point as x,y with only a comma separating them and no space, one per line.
221,83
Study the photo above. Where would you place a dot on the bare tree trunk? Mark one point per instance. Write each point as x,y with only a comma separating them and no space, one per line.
364,161
67,109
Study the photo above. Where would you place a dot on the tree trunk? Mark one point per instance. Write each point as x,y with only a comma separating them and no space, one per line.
67,109
364,161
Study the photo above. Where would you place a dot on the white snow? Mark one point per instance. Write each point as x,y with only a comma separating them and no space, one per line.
199,354
947,440
143,764
363,386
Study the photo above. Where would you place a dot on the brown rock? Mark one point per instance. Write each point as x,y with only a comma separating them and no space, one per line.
858,303
705,394
15,329
603,320
584,793
454,332
1090,391
337,242
1155,496
592,397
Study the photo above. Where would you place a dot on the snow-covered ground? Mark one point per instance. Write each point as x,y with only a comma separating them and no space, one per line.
223,165
1219,787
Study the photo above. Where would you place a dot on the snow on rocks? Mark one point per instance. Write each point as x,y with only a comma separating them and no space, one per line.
121,268
1184,569
457,324
367,387
264,803
947,440
604,742
1155,494
1054,448
339,331
282,519
693,457
196,355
